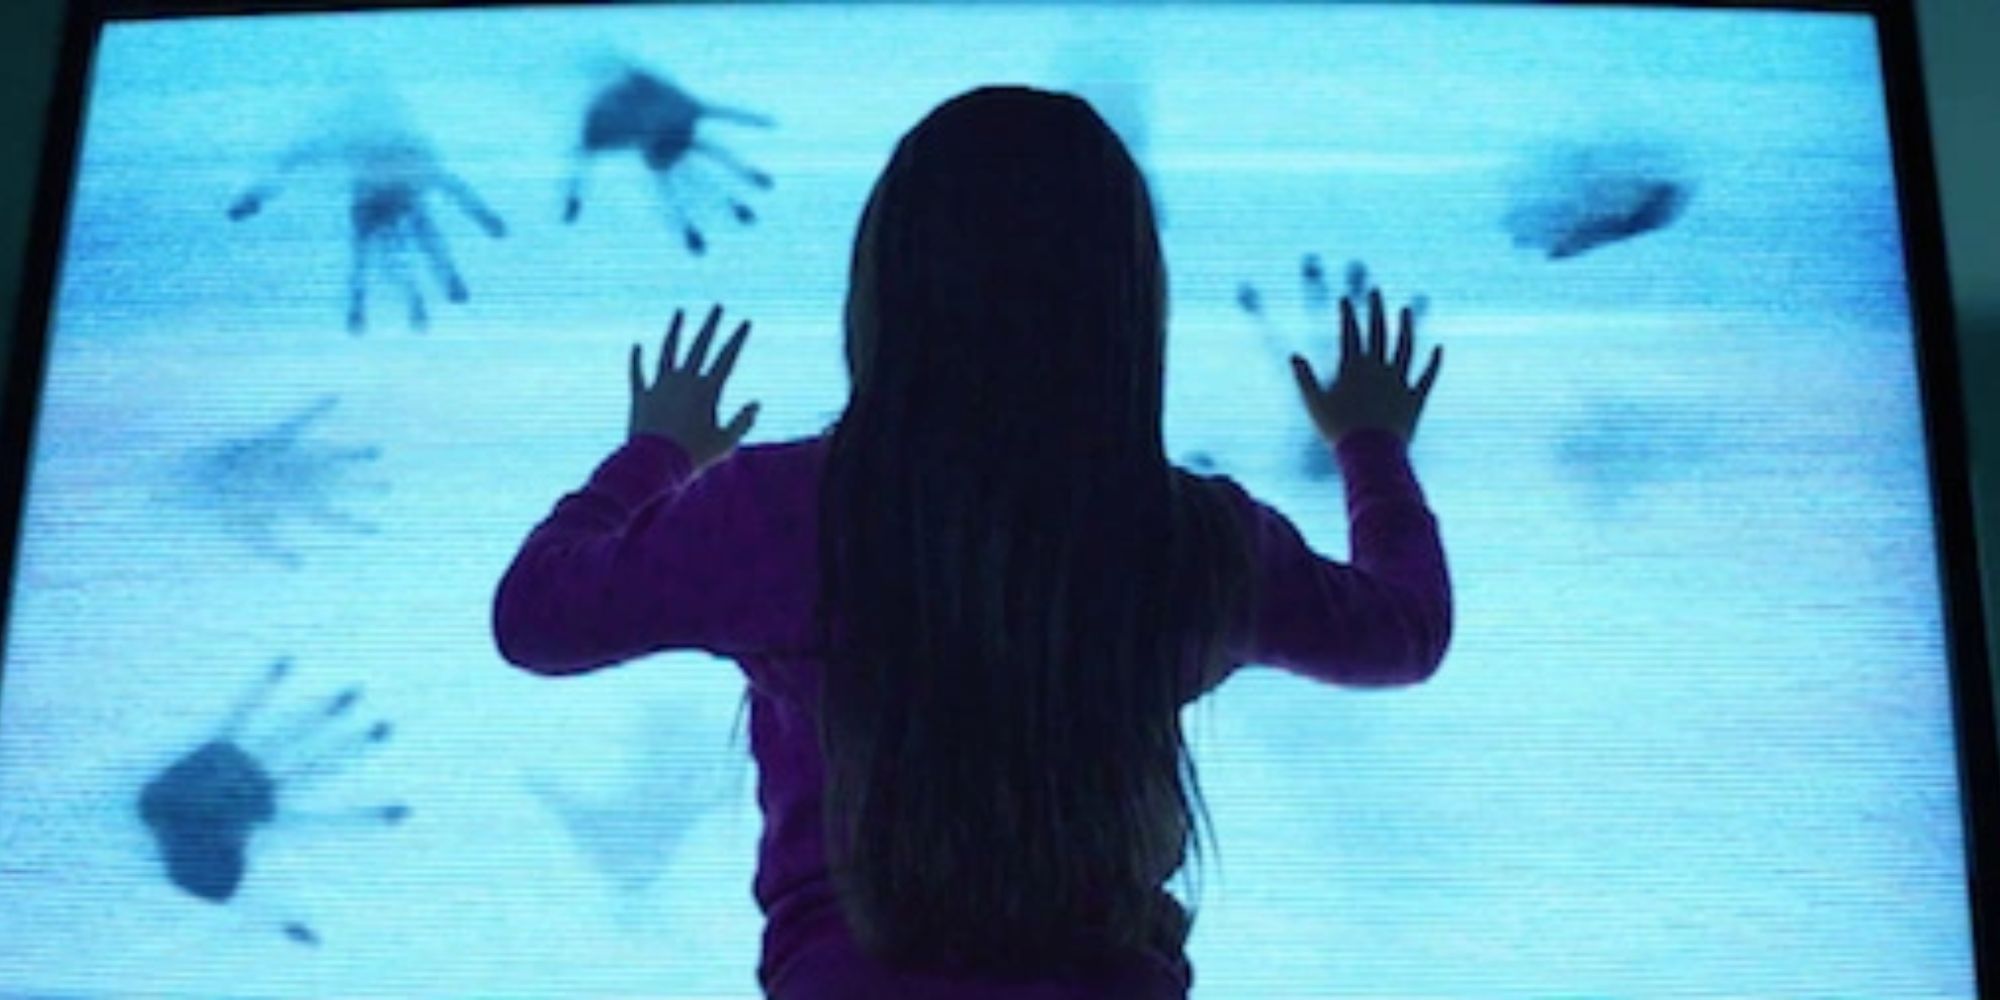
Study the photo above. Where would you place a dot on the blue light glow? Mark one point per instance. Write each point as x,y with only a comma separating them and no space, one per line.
329,339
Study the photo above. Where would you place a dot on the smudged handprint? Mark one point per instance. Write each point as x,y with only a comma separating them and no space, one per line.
390,171
1576,198
254,483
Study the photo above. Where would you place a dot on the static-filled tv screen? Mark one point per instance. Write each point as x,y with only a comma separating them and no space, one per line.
343,307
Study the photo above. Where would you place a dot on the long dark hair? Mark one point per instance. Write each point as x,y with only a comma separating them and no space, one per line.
1018,592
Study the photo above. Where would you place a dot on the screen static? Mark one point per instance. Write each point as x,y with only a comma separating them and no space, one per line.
1692,737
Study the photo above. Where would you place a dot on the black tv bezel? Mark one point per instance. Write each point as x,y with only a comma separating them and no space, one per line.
1941,385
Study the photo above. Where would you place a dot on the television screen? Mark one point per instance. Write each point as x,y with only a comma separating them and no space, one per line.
343,307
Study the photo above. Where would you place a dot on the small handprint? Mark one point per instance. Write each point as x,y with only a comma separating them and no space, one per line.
255,483
1625,446
205,807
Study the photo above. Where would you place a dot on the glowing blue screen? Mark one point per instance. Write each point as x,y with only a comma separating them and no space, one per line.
329,339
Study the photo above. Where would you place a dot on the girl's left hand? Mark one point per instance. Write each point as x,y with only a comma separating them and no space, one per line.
681,403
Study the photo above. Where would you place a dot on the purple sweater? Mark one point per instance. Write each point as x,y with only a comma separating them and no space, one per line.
648,556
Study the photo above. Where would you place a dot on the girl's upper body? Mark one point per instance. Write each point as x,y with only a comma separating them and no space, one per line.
970,613
649,556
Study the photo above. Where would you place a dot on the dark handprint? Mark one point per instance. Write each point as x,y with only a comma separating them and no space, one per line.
204,808
1577,198
245,207
643,112
389,172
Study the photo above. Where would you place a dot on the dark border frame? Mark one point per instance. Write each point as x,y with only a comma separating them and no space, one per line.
1941,386
130,9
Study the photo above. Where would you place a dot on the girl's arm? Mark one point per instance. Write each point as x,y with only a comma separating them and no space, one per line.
1384,619
647,556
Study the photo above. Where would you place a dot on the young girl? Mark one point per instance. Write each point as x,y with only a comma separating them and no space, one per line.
971,612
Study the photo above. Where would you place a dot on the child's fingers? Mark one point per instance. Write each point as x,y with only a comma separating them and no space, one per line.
726,361
1429,377
699,352
1308,384
1378,333
741,424
672,344
1350,331
1405,344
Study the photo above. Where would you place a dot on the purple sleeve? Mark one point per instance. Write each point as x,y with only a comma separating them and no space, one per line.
1384,619
646,556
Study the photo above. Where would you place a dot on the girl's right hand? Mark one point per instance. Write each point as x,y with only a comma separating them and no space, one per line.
1371,389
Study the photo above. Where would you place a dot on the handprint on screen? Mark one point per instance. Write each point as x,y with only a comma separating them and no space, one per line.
254,483
666,775
204,808
642,112
390,173
1322,345
1624,446
1575,199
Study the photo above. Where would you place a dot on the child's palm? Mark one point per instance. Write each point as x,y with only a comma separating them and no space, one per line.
1371,388
681,402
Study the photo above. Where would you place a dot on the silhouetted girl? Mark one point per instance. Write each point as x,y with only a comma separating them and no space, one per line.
972,612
